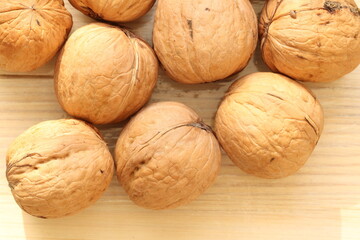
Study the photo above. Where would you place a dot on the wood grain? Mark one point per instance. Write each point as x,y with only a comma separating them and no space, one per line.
321,201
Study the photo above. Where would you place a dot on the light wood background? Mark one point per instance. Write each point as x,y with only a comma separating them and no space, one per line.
321,201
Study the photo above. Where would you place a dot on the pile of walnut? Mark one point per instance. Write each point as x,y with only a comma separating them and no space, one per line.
267,123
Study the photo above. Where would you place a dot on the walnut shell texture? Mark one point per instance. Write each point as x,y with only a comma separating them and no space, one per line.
104,74
31,33
206,41
311,40
57,168
166,156
269,124
114,10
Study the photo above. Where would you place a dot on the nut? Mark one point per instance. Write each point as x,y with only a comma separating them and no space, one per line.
314,41
114,10
166,156
104,74
57,168
203,41
269,124
31,33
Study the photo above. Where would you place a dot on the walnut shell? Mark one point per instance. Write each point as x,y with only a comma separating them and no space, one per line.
31,33
269,124
166,156
202,40
309,40
114,10
104,74
57,168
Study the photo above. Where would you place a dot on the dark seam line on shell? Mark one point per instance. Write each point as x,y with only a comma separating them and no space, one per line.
8,168
267,24
14,10
199,124
41,161
312,124
91,12
306,118
301,57
273,95
135,65
189,22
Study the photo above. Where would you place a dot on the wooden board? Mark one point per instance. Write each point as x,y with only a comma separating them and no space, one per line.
321,201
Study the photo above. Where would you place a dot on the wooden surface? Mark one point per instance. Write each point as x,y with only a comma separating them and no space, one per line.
321,201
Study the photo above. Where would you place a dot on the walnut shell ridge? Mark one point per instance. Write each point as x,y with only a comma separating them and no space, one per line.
57,168
114,10
31,33
202,40
166,156
311,40
269,124
104,74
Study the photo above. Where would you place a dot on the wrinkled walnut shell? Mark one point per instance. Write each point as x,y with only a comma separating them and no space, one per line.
57,168
104,74
31,33
114,10
204,41
166,156
269,124
308,40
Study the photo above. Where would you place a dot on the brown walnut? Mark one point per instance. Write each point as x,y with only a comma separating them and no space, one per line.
57,168
309,40
104,74
166,156
31,33
203,41
269,124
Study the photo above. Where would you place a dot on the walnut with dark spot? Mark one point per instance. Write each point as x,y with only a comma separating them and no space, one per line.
197,46
326,24
31,33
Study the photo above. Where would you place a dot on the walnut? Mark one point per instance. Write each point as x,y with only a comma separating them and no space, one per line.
166,156
31,33
57,168
315,41
269,124
114,10
203,41
104,74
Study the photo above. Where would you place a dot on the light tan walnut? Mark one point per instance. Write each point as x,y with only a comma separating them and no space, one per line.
57,168
114,10
31,33
311,40
203,40
269,124
104,74
166,156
